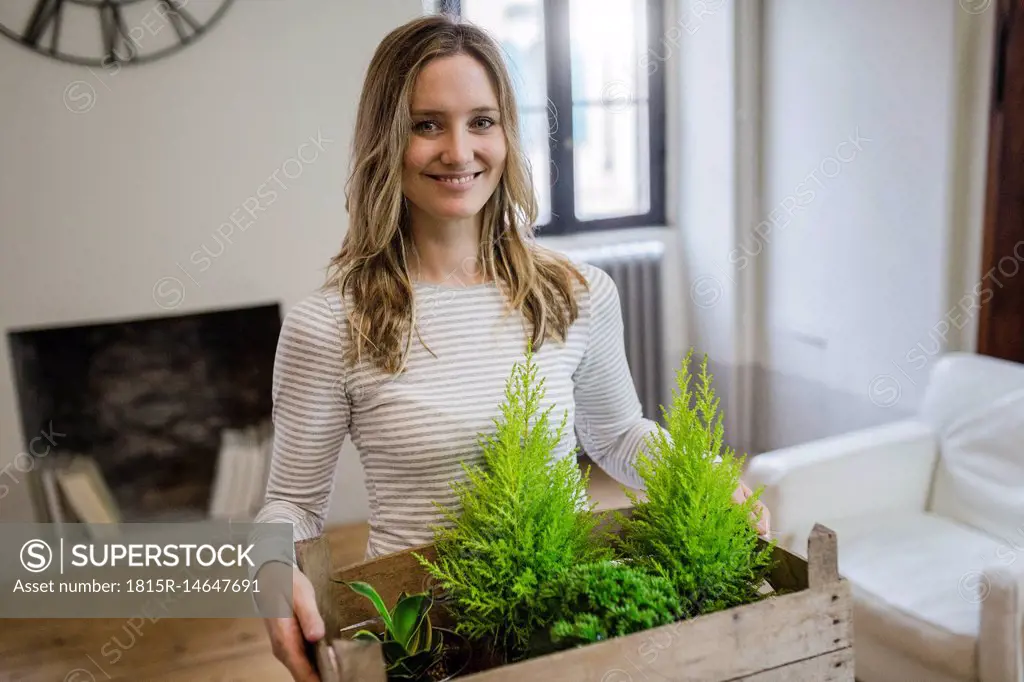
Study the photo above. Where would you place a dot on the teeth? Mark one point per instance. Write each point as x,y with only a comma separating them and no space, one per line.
457,181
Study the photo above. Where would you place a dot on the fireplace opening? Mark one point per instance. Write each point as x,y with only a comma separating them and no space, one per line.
149,403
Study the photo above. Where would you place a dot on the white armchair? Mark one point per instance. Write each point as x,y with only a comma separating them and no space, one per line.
929,515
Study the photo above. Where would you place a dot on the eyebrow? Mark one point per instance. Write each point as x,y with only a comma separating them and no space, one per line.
437,112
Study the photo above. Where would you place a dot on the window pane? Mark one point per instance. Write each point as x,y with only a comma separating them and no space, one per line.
518,25
609,37
611,160
535,143
610,124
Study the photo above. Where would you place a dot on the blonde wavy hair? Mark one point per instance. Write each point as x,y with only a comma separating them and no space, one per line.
371,271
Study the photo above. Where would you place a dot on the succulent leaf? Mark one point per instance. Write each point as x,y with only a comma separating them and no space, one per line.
407,616
367,590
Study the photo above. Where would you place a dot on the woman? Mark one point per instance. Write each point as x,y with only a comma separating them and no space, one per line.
443,285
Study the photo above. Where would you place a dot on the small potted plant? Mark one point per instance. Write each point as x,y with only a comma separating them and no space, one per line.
689,529
414,650
520,522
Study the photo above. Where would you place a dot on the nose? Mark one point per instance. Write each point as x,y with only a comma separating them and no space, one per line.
458,150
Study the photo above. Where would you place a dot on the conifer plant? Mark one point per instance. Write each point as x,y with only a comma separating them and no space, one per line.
689,529
521,520
596,601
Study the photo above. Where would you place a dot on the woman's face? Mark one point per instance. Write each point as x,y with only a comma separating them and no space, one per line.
456,150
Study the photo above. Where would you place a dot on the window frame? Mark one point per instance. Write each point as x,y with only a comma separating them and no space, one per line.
560,119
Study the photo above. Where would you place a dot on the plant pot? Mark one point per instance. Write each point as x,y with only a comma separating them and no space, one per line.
809,616
456,654
456,651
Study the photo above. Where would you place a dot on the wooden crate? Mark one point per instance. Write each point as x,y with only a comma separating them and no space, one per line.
803,634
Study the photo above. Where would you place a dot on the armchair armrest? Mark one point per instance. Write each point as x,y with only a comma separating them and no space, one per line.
878,469
1001,631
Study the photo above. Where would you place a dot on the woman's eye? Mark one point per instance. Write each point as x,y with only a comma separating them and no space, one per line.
425,127
483,123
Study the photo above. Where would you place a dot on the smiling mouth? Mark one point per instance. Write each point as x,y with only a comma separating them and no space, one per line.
458,179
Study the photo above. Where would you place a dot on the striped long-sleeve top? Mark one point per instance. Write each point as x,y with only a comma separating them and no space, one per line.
412,431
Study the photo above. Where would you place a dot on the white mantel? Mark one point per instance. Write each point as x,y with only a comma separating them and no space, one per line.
113,182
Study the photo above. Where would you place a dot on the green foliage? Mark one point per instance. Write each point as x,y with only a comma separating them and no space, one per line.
520,521
409,643
689,529
595,601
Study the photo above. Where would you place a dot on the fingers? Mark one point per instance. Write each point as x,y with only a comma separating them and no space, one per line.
306,612
742,492
288,636
760,514
286,642
763,520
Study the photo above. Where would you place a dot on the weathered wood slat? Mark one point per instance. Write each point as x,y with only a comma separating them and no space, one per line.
822,557
834,667
361,661
390,576
314,559
788,572
720,646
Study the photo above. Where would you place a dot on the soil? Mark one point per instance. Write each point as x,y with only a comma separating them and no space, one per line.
440,671
457,654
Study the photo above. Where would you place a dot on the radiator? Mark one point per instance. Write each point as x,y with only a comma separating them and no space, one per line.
636,270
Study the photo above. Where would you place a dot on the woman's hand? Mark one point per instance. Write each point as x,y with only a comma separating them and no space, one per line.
760,515
288,636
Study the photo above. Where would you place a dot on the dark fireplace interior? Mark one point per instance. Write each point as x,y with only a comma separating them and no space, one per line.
148,399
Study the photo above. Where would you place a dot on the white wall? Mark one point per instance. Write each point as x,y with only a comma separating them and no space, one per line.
867,134
111,182
699,44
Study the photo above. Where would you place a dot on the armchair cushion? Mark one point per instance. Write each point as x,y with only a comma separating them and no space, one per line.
918,587
980,476
975,404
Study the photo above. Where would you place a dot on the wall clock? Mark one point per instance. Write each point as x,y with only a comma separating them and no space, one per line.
108,33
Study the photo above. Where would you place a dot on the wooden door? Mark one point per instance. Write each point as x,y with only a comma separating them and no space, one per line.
1001,319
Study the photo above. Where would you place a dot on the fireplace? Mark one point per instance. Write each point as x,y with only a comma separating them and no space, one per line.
148,400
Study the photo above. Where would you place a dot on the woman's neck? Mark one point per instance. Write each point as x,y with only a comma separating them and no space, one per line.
445,252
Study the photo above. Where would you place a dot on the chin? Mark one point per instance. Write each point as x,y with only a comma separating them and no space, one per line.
454,210
456,213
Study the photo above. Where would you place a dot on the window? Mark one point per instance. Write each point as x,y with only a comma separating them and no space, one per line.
591,99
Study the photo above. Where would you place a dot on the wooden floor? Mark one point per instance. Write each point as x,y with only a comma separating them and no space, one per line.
175,650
